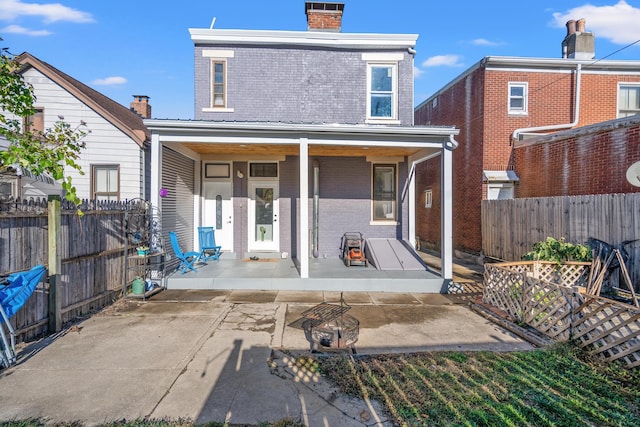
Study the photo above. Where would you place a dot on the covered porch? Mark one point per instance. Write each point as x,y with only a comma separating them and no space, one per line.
305,226
329,274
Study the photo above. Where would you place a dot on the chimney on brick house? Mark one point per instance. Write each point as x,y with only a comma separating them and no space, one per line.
578,44
326,16
141,106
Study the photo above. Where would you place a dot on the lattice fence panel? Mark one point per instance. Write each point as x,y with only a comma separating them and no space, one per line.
547,308
609,328
503,289
603,326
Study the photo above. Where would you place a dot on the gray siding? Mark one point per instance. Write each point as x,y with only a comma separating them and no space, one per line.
344,206
271,84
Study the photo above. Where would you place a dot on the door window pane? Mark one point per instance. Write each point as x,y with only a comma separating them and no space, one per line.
264,214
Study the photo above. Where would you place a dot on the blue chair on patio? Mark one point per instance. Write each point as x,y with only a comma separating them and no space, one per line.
15,290
187,259
208,247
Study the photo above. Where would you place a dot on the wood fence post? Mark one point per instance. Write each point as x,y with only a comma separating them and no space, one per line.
55,264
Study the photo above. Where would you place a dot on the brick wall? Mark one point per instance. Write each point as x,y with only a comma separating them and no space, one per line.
588,160
477,104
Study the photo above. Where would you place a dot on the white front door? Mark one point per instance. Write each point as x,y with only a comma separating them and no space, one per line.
218,212
264,230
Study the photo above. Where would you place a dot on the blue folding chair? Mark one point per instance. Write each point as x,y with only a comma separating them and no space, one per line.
208,247
15,290
187,259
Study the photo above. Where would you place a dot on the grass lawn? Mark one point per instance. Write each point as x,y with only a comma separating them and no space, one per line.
551,387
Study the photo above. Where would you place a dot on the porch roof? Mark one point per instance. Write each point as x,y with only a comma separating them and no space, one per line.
324,139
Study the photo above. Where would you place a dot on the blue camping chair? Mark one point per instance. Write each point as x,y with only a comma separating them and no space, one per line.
187,259
15,290
208,247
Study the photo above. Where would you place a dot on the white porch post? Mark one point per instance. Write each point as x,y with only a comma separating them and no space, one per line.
446,254
156,170
412,204
304,208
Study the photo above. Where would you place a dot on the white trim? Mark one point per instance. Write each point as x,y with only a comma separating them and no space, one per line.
389,57
620,84
383,222
304,38
394,92
303,255
217,110
380,121
525,98
446,211
222,54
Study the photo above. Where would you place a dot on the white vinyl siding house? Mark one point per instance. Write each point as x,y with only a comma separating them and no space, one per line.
106,143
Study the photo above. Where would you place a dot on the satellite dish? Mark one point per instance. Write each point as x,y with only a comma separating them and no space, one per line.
633,174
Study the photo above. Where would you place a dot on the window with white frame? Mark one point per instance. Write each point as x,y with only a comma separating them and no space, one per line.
382,95
384,192
428,198
105,182
218,83
628,100
518,97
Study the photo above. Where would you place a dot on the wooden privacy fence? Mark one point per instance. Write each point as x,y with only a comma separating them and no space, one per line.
91,250
554,303
511,227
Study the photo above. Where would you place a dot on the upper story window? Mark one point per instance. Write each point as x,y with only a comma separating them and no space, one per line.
35,122
384,192
628,100
518,97
105,182
219,79
382,91
219,84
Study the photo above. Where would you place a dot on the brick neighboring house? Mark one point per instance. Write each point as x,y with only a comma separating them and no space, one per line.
502,100
116,159
593,159
283,118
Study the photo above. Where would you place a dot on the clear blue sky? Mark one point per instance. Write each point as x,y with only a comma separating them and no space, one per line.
140,47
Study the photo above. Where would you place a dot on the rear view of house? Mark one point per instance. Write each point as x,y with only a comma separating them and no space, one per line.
298,138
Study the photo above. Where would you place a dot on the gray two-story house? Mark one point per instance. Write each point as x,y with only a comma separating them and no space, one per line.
298,138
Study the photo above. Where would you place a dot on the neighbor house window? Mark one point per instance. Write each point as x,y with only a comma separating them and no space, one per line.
105,182
382,91
384,192
628,100
218,84
518,93
500,191
35,122
428,198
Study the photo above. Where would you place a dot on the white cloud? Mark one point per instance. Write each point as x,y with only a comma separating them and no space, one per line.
110,81
17,29
618,23
417,72
443,60
484,42
50,12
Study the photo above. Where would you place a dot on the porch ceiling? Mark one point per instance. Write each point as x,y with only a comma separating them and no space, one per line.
293,150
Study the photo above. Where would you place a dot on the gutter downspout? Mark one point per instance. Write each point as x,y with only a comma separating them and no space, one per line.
576,115
316,205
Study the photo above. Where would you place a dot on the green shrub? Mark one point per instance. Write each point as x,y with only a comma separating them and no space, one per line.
558,251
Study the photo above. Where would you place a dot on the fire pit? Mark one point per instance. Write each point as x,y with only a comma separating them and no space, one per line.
328,326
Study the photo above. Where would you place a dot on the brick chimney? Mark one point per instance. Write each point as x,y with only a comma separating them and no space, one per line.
326,16
578,44
140,106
